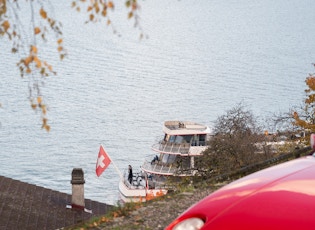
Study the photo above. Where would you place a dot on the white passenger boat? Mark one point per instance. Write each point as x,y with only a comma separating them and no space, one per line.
174,157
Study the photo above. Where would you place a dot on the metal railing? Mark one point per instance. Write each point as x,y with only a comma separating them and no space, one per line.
139,181
158,167
171,148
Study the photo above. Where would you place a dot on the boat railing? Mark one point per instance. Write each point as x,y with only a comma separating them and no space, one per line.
171,148
158,167
139,181
175,148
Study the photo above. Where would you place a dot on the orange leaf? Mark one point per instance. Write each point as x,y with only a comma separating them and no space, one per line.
97,8
38,62
6,25
36,30
130,15
110,4
104,219
60,48
39,100
59,41
310,81
91,17
28,60
43,13
44,121
47,127
34,49
44,110
104,13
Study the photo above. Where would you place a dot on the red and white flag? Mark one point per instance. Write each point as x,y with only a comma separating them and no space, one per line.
103,161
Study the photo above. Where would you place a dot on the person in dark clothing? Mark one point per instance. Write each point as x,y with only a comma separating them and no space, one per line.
130,175
155,159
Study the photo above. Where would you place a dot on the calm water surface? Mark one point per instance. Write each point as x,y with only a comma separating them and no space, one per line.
201,59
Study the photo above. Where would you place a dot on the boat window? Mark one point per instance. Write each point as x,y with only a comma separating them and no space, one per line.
199,140
195,140
202,139
172,139
179,139
187,138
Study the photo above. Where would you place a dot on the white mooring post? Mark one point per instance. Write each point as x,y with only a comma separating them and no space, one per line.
77,181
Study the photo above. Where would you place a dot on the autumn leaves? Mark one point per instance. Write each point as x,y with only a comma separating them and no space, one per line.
99,8
306,118
32,64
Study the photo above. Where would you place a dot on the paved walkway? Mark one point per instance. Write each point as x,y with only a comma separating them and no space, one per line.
26,206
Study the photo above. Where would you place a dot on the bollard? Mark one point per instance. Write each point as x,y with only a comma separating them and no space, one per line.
77,181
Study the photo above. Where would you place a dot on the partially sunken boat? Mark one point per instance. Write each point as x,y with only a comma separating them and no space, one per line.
174,157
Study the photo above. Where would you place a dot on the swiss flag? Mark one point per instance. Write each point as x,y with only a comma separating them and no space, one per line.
103,161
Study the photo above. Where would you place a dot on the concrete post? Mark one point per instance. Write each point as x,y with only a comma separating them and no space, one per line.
77,181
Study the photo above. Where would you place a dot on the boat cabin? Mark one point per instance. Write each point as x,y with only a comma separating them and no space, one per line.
182,142
193,140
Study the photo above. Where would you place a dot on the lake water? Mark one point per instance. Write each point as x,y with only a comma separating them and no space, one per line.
201,59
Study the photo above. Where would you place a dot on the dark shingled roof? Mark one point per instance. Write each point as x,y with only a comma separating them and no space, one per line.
27,206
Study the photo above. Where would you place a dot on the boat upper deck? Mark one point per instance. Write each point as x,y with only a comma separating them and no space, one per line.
185,128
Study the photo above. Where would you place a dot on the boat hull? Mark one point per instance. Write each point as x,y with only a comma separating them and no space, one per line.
128,194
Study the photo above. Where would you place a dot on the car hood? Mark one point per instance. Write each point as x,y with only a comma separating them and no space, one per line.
279,197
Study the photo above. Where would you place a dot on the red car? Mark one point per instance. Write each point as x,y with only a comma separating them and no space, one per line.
280,197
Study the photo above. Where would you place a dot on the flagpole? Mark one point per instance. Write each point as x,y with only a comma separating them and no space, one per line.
116,168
